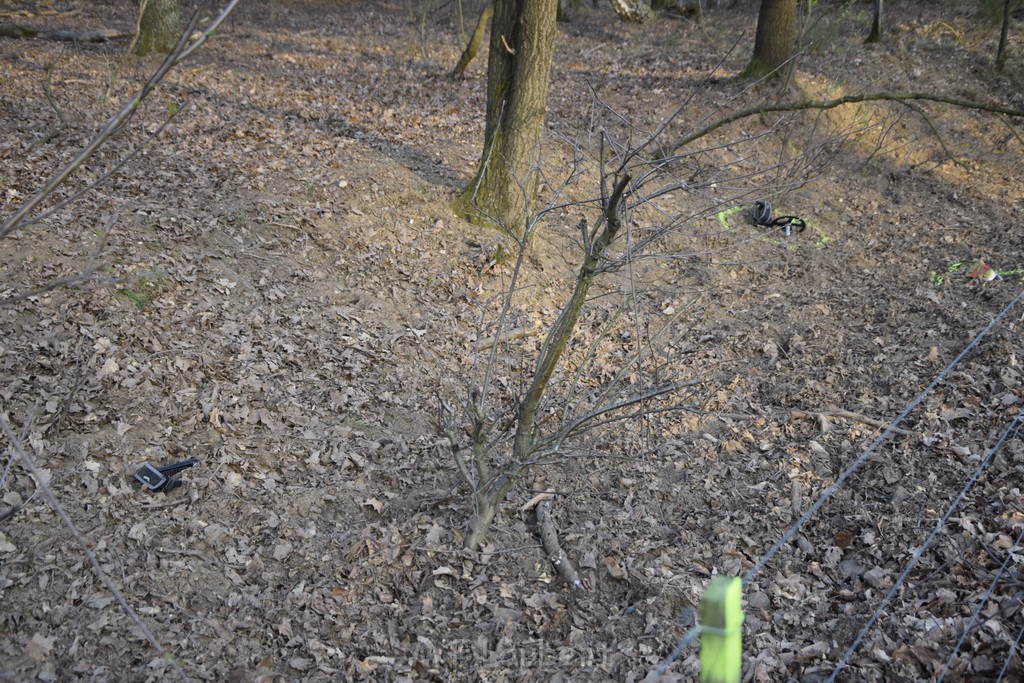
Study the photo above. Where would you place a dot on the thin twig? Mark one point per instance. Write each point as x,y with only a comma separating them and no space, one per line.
62,122
182,50
832,104
571,428
917,109
28,463
84,275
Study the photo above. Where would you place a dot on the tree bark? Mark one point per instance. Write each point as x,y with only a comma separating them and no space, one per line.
774,41
876,23
1001,52
474,42
159,27
487,503
518,72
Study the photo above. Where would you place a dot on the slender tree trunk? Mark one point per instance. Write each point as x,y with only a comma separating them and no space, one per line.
474,42
876,24
774,41
494,489
1001,52
518,72
159,26
488,501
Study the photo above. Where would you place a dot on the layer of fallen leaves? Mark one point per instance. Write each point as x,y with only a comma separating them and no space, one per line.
288,292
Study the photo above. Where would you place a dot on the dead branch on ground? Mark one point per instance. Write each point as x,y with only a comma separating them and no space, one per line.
511,335
819,417
549,538
9,30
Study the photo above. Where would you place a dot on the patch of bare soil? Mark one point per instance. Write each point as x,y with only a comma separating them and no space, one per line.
293,296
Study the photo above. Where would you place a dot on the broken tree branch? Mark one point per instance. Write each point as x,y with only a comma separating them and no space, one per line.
549,539
474,42
856,417
8,30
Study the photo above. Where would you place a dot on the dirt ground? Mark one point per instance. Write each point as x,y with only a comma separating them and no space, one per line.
292,298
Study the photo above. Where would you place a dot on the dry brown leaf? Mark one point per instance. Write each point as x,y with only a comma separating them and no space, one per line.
614,568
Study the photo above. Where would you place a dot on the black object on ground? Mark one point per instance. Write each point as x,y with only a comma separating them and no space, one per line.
162,478
762,215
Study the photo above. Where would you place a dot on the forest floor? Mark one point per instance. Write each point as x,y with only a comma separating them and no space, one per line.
294,298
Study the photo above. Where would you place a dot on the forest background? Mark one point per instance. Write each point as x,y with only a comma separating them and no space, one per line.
274,274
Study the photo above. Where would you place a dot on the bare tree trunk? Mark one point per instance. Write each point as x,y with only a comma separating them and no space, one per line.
1001,52
518,72
876,23
474,42
488,501
159,27
774,42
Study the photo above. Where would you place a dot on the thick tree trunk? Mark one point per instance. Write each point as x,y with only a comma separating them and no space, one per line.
1001,52
774,41
159,27
876,24
474,42
518,72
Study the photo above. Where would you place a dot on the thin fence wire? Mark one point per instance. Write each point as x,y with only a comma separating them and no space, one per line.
664,664
691,635
919,553
981,605
884,436
1010,655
